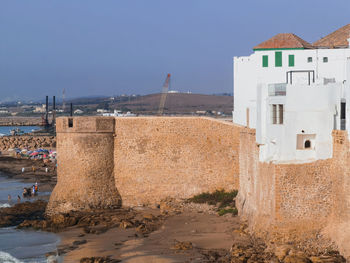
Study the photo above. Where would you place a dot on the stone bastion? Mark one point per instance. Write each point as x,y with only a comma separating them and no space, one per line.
106,162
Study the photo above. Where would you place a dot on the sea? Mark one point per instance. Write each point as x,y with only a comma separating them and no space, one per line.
17,246
6,130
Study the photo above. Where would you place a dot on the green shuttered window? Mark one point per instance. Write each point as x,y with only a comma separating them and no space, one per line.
265,61
278,59
291,60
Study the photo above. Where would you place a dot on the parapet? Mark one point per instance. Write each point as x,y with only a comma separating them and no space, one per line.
85,124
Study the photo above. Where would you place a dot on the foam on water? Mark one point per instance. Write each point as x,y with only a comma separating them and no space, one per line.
7,258
24,246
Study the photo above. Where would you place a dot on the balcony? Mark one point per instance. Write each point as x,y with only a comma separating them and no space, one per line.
277,89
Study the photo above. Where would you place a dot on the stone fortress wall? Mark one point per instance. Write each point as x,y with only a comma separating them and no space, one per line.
297,201
106,161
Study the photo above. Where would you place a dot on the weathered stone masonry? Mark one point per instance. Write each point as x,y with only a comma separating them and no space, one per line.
103,161
147,158
297,201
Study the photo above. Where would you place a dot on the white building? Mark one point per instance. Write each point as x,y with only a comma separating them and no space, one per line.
294,94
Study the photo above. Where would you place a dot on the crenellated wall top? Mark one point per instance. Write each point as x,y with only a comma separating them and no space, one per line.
85,124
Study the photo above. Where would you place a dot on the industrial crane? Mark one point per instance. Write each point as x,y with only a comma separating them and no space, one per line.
164,95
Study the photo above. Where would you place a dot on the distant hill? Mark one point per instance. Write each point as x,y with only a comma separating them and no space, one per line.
176,103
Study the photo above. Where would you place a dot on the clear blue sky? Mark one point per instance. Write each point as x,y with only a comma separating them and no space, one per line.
111,47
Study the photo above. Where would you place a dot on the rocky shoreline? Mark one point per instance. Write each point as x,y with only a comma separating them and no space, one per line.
29,142
173,231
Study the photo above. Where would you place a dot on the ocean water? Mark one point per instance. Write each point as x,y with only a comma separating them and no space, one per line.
26,245
22,245
14,188
6,130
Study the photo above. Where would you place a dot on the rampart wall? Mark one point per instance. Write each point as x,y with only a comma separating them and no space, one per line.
179,157
147,158
106,161
297,201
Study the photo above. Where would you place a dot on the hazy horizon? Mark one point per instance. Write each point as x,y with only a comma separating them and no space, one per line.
111,47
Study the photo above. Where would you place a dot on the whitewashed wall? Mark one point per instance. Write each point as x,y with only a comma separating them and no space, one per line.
306,108
248,73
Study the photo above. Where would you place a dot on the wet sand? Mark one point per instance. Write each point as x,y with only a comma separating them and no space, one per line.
204,231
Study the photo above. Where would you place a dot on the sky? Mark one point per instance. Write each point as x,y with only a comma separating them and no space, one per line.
114,47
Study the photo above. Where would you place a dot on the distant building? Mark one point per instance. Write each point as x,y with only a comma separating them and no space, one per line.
118,113
40,109
101,111
294,94
77,111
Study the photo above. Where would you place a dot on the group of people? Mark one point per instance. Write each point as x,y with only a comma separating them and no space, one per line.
30,191
27,192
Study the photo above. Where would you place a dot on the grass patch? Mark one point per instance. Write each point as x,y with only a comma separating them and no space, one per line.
224,211
224,200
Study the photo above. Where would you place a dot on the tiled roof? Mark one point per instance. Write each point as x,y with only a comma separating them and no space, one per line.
337,39
284,40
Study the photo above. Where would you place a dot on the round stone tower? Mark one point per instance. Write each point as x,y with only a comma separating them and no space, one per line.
85,178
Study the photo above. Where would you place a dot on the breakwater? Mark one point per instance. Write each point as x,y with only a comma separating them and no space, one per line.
27,141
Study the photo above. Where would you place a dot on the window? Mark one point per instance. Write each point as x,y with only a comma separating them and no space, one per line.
307,144
274,114
70,123
325,59
309,59
265,61
306,141
280,113
291,60
278,59
277,113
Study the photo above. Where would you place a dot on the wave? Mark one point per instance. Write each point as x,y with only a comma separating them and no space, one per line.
7,258
4,205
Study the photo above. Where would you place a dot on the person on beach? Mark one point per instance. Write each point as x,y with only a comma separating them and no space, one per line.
33,190
46,169
36,187
33,168
23,169
9,198
25,192
18,199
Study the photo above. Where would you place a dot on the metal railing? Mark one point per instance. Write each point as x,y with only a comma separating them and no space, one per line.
277,89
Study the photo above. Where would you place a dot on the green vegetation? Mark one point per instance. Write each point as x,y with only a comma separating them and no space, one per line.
224,211
225,201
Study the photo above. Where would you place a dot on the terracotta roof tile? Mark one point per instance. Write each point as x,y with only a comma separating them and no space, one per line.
284,40
337,39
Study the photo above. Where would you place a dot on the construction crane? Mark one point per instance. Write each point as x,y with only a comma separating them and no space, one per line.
63,101
164,95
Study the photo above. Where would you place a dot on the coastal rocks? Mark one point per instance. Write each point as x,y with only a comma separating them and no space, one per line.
27,141
289,254
99,260
185,245
170,206
96,221
19,213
